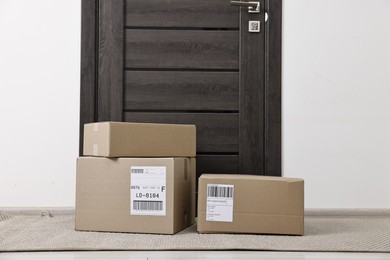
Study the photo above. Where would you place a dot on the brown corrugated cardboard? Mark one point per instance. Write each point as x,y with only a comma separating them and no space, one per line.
250,204
118,139
108,194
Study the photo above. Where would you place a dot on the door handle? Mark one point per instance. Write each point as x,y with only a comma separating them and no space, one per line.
253,7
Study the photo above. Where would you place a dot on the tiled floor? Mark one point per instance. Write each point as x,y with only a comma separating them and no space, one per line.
161,255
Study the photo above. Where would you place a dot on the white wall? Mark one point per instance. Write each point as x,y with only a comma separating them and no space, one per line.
39,101
336,101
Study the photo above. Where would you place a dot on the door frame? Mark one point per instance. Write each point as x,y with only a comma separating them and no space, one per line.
94,109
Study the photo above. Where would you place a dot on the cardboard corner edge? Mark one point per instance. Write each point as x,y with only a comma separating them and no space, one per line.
199,221
303,226
199,225
109,141
194,143
76,226
85,137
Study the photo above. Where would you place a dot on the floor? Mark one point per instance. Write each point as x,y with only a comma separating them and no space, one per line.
161,255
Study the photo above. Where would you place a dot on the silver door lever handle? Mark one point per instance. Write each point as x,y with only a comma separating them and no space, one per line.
253,7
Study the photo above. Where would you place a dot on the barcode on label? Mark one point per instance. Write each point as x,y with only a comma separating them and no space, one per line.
137,170
218,191
147,205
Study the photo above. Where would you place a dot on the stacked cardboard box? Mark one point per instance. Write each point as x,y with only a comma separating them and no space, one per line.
136,178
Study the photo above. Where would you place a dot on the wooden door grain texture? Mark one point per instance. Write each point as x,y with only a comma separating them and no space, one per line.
181,13
110,61
181,90
181,49
273,90
88,66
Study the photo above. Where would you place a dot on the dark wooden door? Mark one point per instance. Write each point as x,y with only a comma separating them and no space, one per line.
191,62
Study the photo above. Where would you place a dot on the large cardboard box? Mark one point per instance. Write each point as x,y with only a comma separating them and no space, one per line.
119,139
250,204
142,195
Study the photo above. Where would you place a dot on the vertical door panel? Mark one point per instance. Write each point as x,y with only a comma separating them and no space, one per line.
252,86
110,61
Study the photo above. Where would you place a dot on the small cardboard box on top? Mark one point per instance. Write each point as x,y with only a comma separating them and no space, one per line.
140,195
119,139
230,203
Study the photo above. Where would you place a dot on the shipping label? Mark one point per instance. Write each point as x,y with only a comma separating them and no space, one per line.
219,206
148,190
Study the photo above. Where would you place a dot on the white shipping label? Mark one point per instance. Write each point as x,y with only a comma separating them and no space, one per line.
219,206
148,190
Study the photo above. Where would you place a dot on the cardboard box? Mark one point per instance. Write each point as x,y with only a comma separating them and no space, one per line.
250,204
111,194
118,139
